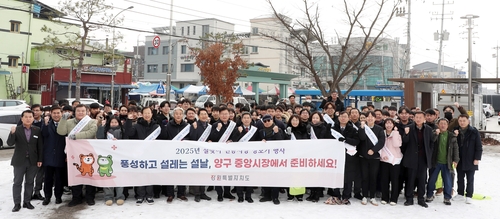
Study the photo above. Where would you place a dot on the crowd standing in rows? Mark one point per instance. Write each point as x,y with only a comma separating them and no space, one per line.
396,149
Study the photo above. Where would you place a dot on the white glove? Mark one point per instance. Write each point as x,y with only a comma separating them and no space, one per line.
72,137
66,115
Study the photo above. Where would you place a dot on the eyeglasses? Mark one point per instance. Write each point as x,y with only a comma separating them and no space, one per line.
266,120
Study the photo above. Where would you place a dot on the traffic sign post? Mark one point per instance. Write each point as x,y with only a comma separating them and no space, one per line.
160,89
156,42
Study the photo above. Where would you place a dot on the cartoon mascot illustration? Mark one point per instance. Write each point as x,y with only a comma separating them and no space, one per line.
86,162
105,165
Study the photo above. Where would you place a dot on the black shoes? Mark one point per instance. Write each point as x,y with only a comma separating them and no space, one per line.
197,198
28,205
229,196
210,188
358,196
16,208
249,200
241,200
46,201
156,196
422,203
265,199
205,197
37,197
219,198
276,201
447,202
90,202
74,202
58,200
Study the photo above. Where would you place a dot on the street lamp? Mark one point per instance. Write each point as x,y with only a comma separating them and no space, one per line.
469,18
113,59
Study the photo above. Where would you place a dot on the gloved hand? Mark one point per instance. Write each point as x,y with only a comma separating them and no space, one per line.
341,139
66,115
72,137
289,130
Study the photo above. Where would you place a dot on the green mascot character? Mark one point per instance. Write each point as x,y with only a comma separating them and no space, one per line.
105,163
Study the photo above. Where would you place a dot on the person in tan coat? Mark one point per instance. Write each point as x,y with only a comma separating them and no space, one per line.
88,132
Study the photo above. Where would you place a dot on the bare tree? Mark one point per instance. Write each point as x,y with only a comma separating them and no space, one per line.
347,57
91,15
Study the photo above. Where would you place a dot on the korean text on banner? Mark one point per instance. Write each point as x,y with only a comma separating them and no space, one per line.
273,163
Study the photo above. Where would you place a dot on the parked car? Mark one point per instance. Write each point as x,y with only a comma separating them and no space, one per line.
85,101
7,120
13,105
488,110
200,102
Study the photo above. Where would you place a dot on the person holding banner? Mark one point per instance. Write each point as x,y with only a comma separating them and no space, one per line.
112,130
319,130
221,132
244,133
444,159
417,158
146,128
374,140
390,157
343,131
200,131
80,127
176,130
296,130
270,132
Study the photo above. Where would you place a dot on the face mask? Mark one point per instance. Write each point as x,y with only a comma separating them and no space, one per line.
308,101
448,115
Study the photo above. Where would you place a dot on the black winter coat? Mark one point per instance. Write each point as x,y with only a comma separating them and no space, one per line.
172,129
273,137
350,134
367,144
195,134
236,135
339,105
470,148
141,130
53,146
300,132
410,156
216,135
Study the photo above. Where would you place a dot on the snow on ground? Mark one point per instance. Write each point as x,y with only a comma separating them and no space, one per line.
486,184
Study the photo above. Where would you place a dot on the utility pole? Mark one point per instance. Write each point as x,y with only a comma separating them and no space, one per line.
402,12
441,35
70,78
496,56
137,58
169,72
470,25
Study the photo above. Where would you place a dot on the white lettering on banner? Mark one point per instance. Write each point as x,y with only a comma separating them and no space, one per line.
228,131
249,134
182,133
121,163
369,132
153,134
79,126
206,133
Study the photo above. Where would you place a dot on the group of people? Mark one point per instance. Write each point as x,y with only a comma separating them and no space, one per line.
396,149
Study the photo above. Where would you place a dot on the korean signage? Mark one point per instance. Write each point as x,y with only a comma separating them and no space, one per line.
108,163
94,69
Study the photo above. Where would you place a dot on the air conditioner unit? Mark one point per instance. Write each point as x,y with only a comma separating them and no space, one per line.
43,87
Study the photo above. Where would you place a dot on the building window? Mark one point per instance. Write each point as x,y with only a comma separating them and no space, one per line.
152,51
182,31
87,54
15,26
194,30
61,51
183,49
13,61
152,68
188,30
187,67
164,67
255,49
245,50
255,30
205,29
165,50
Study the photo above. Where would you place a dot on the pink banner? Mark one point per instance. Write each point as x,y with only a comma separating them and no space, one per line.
302,163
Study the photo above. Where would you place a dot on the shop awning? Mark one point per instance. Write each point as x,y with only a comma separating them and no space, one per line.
86,84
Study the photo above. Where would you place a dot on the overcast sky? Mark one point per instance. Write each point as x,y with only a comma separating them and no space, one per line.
147,14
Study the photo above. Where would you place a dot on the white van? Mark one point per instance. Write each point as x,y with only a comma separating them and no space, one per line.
7,120
85,101
200,102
